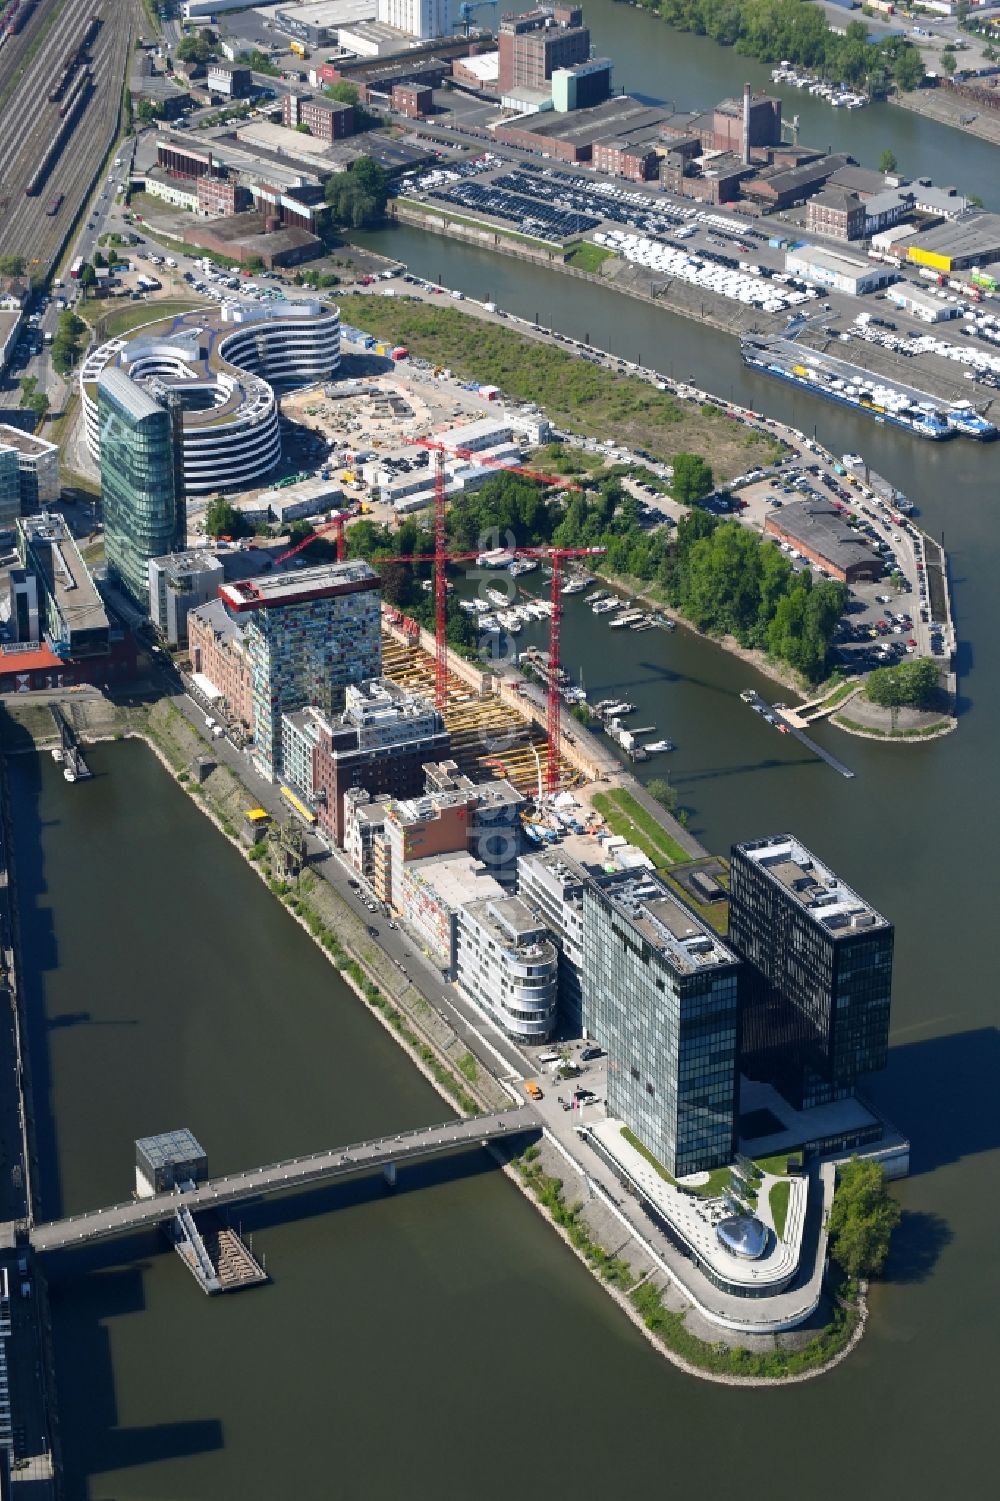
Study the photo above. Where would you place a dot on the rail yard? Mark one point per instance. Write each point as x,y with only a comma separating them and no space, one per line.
59,117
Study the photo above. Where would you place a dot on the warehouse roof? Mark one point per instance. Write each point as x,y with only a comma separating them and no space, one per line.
821,529
979,234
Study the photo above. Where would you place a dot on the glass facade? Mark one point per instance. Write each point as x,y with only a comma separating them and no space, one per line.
308,653
819,973
142,488
10,488
660,994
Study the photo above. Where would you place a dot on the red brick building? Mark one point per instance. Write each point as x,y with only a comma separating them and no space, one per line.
533,45
219,196
414,100
326,119
618,157
216,649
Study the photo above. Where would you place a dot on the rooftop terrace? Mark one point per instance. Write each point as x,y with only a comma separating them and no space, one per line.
814,886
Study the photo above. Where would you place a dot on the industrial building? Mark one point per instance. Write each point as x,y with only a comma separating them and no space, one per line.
142,478
828,268
320,24
179,583
781,187
921,303
818,972
571,137
968,242
506,964
420,18
819,533
660,993
309,636
533,45
218,362
37,467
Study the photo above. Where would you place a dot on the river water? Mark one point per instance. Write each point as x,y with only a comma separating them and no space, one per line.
440,1343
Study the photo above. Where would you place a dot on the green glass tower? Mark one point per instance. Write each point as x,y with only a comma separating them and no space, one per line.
142,486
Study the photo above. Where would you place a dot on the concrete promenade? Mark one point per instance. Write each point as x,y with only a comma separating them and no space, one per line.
295,1172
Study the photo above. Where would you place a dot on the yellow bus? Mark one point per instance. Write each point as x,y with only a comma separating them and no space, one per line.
306,814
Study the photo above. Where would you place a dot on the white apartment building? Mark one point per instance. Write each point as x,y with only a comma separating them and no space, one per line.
420,18
506,965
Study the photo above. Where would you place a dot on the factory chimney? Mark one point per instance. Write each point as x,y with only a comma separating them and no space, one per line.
746,124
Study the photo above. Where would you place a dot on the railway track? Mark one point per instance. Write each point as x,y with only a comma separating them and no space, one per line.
31,120
15,48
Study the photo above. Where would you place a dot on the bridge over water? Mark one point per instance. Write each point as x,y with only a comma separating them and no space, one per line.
296,1172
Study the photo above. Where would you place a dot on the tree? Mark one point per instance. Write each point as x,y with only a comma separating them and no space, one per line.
67,341
974,200
343,92
357,198
887,161
303,128
88,277
147,110
692,480
908,69
862,1219
222,519
12,265
198,47
914,685
259,62
32,399
949,63
660,789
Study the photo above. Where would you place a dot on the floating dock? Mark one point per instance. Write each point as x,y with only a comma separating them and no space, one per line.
772,713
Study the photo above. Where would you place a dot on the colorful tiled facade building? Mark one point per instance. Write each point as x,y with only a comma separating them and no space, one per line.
308,636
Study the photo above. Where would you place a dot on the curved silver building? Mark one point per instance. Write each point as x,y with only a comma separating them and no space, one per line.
219,362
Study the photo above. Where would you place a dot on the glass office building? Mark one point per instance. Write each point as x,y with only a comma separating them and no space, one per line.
660,993
142,487
818,973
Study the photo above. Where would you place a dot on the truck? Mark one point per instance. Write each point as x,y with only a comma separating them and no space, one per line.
298,48
532,1089
76,268
171,262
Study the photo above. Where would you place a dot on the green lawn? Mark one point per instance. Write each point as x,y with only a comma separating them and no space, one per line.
718,1178
629,818
840,693
588,257
777,1165
778,1203
654,1162
111,325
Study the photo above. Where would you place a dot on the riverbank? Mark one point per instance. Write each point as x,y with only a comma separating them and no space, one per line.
951,109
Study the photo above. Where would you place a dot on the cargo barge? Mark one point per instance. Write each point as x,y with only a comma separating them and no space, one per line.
850,385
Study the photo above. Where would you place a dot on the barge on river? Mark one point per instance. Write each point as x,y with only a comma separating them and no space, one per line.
850,385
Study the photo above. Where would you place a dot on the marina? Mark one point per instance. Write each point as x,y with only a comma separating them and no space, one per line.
852,386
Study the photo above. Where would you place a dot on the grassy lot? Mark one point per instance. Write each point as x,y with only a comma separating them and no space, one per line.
112,323
586,398
778,1204
150,207
627,817
588,257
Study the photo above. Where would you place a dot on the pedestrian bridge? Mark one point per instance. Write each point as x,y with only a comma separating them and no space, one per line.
296,1172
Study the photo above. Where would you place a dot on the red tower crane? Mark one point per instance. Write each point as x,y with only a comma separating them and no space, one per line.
440,557
334,524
